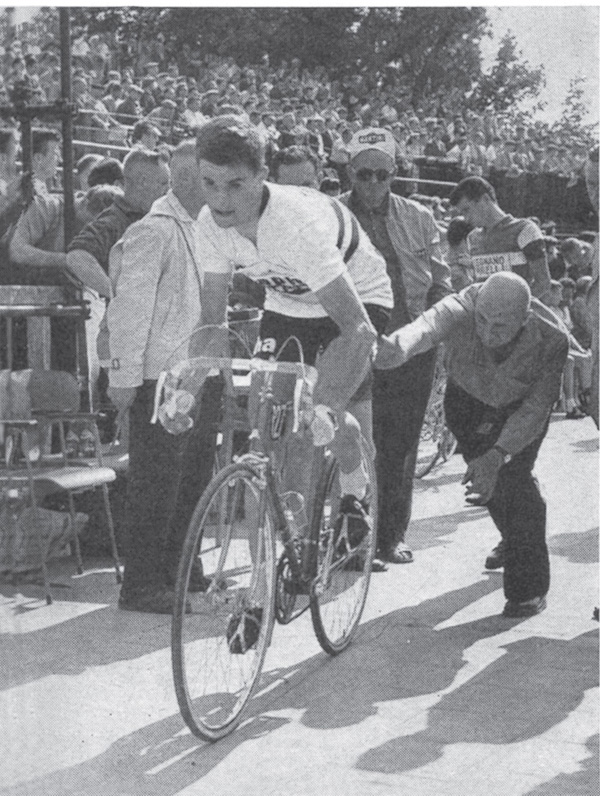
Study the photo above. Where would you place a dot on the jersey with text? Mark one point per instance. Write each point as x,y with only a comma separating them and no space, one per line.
298,252
507,246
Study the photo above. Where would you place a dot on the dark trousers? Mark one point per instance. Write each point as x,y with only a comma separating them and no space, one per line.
516,506
166,476
400,398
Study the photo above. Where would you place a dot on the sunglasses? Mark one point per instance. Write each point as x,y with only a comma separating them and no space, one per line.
366,175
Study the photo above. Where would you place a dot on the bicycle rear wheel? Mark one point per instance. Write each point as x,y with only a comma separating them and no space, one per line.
339,591
218,649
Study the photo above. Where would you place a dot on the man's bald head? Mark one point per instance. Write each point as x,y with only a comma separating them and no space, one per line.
501,308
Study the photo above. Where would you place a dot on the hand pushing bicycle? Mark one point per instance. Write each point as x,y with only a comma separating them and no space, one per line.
270,552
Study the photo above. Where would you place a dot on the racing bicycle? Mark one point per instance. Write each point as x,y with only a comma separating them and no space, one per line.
270,556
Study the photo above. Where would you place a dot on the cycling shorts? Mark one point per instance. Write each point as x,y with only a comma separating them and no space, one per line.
277,333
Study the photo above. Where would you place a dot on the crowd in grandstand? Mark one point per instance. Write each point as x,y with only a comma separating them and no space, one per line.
293,105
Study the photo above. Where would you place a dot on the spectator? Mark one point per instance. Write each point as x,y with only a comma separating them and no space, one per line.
163,117
556,264
593,304
330,186
578,256
147,100
37,258
580,315
108,172
297,165
406,234
44,159
435,147
145,135
129,110
93,122
577,371
192,116
83,167
8,160
145,180
113,96
500,242
157,271
505,355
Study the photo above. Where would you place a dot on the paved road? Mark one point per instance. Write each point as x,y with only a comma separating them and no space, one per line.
438,695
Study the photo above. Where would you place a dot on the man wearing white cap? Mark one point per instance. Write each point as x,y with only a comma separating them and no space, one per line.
405,233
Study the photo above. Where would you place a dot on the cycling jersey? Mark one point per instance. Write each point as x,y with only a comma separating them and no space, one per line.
507,246
299,250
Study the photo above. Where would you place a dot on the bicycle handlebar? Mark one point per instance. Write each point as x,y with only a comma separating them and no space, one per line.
266,366
180,401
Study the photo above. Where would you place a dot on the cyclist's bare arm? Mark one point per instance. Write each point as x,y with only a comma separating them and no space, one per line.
348,358
211,340
540,278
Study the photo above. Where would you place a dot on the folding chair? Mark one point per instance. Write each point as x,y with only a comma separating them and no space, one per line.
39,462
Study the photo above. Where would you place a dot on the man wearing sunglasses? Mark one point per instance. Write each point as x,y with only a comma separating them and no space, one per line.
405,233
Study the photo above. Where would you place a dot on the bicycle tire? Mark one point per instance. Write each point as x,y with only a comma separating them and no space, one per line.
429,450
448,444
337,599
213,679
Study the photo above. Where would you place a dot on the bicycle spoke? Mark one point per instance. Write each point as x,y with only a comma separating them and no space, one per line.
219,648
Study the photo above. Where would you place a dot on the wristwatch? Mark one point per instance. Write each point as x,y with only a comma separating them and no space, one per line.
506,457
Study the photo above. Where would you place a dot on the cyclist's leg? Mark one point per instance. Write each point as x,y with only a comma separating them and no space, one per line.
357,421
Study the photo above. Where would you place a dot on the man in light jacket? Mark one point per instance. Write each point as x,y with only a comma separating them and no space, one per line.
157,276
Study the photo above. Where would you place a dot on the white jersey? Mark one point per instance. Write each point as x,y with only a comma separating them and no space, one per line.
298,251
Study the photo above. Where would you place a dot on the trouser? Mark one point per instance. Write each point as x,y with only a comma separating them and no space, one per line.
400,398
166,476
516,506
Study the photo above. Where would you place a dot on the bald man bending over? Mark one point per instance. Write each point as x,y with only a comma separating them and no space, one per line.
505,353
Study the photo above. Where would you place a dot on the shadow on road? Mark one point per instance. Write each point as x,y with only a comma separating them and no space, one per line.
386,662
578,548
586,445
580,783
432,531
488,710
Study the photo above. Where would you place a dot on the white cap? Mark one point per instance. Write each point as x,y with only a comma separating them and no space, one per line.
373,138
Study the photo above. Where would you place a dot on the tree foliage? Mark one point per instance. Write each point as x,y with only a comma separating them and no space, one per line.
510,79
422,52
575,110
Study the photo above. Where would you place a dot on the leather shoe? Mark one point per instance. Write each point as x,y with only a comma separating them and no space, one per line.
495,559
527,608
149,600
400,554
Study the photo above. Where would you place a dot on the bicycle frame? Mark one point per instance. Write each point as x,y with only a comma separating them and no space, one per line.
303,566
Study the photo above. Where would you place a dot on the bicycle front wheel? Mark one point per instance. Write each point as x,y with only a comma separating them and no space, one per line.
218,649
339,591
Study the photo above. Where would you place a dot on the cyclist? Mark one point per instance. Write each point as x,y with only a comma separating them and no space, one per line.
294,242
500,242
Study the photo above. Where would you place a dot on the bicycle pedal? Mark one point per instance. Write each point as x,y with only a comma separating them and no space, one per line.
243,630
